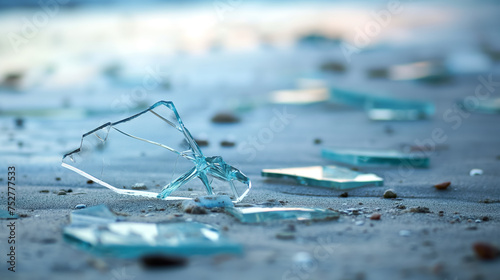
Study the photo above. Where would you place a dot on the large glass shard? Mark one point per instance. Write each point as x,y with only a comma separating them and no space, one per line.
383,108
326,176
132,240
376,157
153,142
267,214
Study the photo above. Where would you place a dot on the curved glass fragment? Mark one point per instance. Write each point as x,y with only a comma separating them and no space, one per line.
153,149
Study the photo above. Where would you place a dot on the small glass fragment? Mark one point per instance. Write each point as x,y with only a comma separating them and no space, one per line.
476,172
266,214
326,176
381,108
488,106
376,157
157,134
300,96
105,237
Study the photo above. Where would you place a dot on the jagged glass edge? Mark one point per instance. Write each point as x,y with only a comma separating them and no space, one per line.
181,128
271,214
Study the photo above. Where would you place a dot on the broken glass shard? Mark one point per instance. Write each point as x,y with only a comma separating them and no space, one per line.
376,157
382,108
132,240
326,176
153,147
267,214
489,106
300,96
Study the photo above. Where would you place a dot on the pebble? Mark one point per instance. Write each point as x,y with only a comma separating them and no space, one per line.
375,216
478,221
390,194
225,118
420,210
345,194
90,182
80,206
61,193
159,261
44,191
227,143
139,186
442,186
404,233
476,172
202,142
485,251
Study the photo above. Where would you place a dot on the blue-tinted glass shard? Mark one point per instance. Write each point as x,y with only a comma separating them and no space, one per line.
376,157
383,108
267,214
326,176
95,230
489,106
5,215
156,143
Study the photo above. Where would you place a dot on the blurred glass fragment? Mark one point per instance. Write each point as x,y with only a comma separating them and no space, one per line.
267,214
326,176
383,108
300,96
157,134
488,106
360,157
104,237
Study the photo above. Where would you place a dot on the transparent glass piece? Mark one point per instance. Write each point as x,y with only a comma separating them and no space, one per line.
132,240
99,214
156,142
300,96
326,176
7,215
266,214
383,108
376,157
489,106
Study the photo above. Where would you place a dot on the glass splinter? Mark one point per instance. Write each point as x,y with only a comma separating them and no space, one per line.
326,176
132,240
153,143
266,214
488,106
376,157
381,108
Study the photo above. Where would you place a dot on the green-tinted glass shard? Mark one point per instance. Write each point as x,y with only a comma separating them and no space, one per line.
376,157
489,106
326,176
381,107
267,214
88,230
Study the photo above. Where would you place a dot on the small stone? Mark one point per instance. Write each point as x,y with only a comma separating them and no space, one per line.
404,233
476,172
390,194
80,206
196,210
227,144
401,207
420,210
485,218
202,142
485,251
317,141
344,194
161,261
139,186
19,122
90,182
442,186
285,235
44,191
375,216
58,178
61,193
225,117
